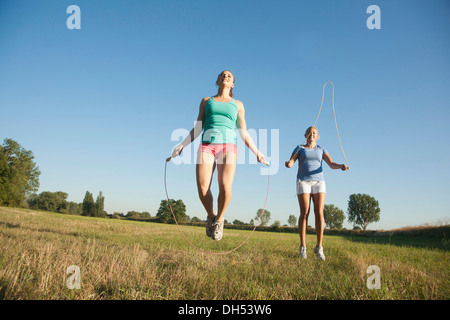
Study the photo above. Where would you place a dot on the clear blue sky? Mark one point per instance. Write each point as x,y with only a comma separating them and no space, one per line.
97,106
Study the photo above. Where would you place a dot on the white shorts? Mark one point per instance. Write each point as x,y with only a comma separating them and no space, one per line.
310,187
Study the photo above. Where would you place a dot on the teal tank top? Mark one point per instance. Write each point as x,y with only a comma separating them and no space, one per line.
220,122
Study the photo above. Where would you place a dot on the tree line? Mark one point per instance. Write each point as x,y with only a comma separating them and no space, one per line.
57,202
19,181
362,210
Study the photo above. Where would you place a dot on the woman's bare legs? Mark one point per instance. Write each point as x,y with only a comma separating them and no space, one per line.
304,202
319,203
204,172
225,173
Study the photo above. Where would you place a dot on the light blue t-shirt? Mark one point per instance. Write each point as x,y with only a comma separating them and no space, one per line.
310,163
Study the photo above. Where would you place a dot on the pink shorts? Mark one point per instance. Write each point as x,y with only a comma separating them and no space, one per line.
218,148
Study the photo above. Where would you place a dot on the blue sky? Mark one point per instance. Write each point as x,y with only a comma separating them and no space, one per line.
97,106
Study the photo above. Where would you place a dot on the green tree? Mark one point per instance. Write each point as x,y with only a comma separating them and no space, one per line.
88,205
164,214
19,174
49,201
5,176
133,214
137,214
146,214
100,206
61,199
74,208
265,218
363,209
292,220
333,216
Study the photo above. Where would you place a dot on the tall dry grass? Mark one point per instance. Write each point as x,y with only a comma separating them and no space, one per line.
137,260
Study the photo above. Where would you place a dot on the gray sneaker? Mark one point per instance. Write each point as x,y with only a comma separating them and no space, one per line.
217,230
303,252
210,226
319,253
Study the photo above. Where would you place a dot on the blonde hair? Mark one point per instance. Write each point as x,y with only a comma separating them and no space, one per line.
217,81
308,132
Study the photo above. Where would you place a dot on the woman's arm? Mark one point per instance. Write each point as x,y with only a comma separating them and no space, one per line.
242,129
332,164
195,132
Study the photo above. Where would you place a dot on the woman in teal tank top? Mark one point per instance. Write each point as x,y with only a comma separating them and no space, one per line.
220,122
218,118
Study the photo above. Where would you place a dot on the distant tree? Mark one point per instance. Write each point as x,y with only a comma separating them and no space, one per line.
62,201
32,201
196,219
74,208
239,222
19,175
362,210
89,208
134,214
334,217
265,218
100,206
292,220
145,214
5,176
117,215
179,210
49,201
277,224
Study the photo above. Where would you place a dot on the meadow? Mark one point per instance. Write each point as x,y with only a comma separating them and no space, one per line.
121,259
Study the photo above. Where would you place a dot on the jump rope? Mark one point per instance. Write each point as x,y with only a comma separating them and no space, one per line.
268,184
335,121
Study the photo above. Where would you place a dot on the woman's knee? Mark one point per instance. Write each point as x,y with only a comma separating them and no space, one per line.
318,212
304,215
204,191
225,189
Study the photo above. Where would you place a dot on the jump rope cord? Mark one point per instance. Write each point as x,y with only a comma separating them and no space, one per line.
209,252
335,121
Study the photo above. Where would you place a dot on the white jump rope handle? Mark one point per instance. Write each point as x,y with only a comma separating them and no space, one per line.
266,163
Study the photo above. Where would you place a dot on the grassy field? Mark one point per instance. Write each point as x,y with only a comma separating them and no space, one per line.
121,259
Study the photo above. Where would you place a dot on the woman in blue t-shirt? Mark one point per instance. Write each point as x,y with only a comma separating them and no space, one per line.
311,184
